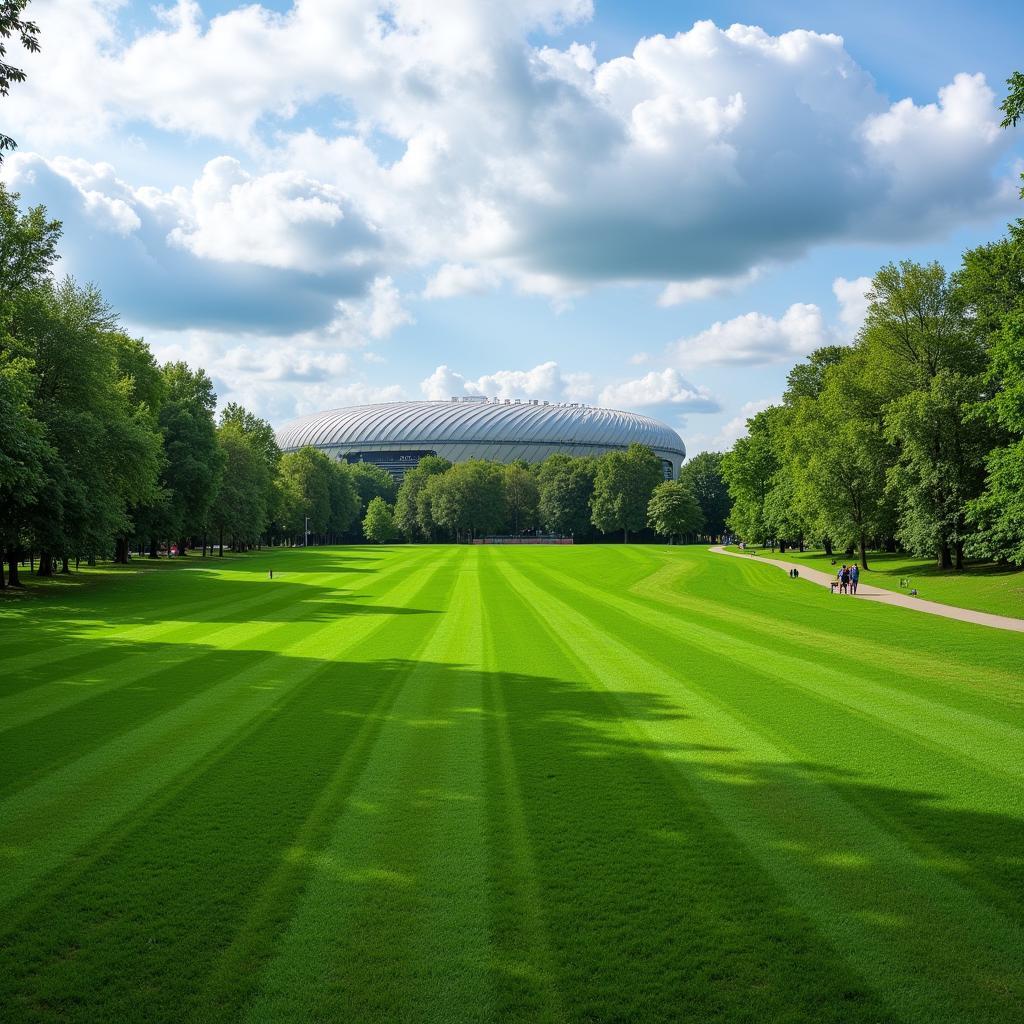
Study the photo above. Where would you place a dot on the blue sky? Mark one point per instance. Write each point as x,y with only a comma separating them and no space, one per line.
341,201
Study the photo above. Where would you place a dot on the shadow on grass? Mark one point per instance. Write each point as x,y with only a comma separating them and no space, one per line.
617,888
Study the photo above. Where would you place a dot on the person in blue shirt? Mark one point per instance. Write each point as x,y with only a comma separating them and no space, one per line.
854,577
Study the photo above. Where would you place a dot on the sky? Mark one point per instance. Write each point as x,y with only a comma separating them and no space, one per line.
658,206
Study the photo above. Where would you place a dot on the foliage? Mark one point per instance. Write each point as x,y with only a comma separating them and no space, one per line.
379,522
12,23
241,508
999,511
194,461
468,499
372,482
622,488
566,487
305,480
344,498
674,511
521,496
407,507
703,475
749,469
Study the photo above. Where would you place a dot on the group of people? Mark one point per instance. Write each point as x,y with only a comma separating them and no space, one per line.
846,579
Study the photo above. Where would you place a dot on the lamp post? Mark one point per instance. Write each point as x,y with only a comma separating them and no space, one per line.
305,542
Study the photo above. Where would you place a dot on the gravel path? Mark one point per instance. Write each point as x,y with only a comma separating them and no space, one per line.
824,579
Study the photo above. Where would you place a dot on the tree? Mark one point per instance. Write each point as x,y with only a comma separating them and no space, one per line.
13,24
998,512
344,498
521,496
193,466
623,487
379,522
25,457
566,486
749,469
28,250
305,478
241,506
703,475
1013,106
673,510
835,458
807,379
107,448
467,499
407,512
926,362
370,482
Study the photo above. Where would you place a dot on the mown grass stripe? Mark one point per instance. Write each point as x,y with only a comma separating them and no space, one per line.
44,823
390,925
819,845
969,735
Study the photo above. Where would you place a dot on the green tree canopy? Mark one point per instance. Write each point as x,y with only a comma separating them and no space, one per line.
674,511
468,499
566,487
703,475
379,522
521,496
622,488
407,510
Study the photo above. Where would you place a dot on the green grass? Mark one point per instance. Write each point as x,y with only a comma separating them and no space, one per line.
504,784
985,587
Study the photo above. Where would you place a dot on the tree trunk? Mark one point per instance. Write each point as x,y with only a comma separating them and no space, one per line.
958,549
222,541
3,576
64,567
863,551
91,560
826,543
12,561
204,544
182,547
625,536
121,551
945,559
45,564
890,545
782,547
154,548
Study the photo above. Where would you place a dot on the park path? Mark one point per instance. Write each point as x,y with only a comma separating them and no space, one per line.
948,611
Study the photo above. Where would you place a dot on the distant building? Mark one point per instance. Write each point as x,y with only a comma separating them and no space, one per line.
396,435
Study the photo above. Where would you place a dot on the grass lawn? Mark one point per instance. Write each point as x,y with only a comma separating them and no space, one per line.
504,784
985,587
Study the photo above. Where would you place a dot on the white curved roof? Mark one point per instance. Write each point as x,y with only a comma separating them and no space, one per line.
422,424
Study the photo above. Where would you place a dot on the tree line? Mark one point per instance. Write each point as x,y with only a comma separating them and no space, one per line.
583,497
103,451
913,437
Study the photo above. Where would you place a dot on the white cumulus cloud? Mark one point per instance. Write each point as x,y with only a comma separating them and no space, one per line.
852,297
665,387
754,338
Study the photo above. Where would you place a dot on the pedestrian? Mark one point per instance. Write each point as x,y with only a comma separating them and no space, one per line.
854,577
844,579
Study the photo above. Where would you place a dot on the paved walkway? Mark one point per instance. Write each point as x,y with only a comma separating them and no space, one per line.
948,611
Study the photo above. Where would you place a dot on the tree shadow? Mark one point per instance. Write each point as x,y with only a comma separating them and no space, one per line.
621,882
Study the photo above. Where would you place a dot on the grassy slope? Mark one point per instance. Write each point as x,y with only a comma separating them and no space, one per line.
594,783
984,587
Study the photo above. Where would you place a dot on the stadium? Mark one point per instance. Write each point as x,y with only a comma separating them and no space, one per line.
396,435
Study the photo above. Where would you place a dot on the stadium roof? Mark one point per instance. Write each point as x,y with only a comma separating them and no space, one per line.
478,420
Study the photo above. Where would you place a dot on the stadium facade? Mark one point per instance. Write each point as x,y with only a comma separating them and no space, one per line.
396,435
